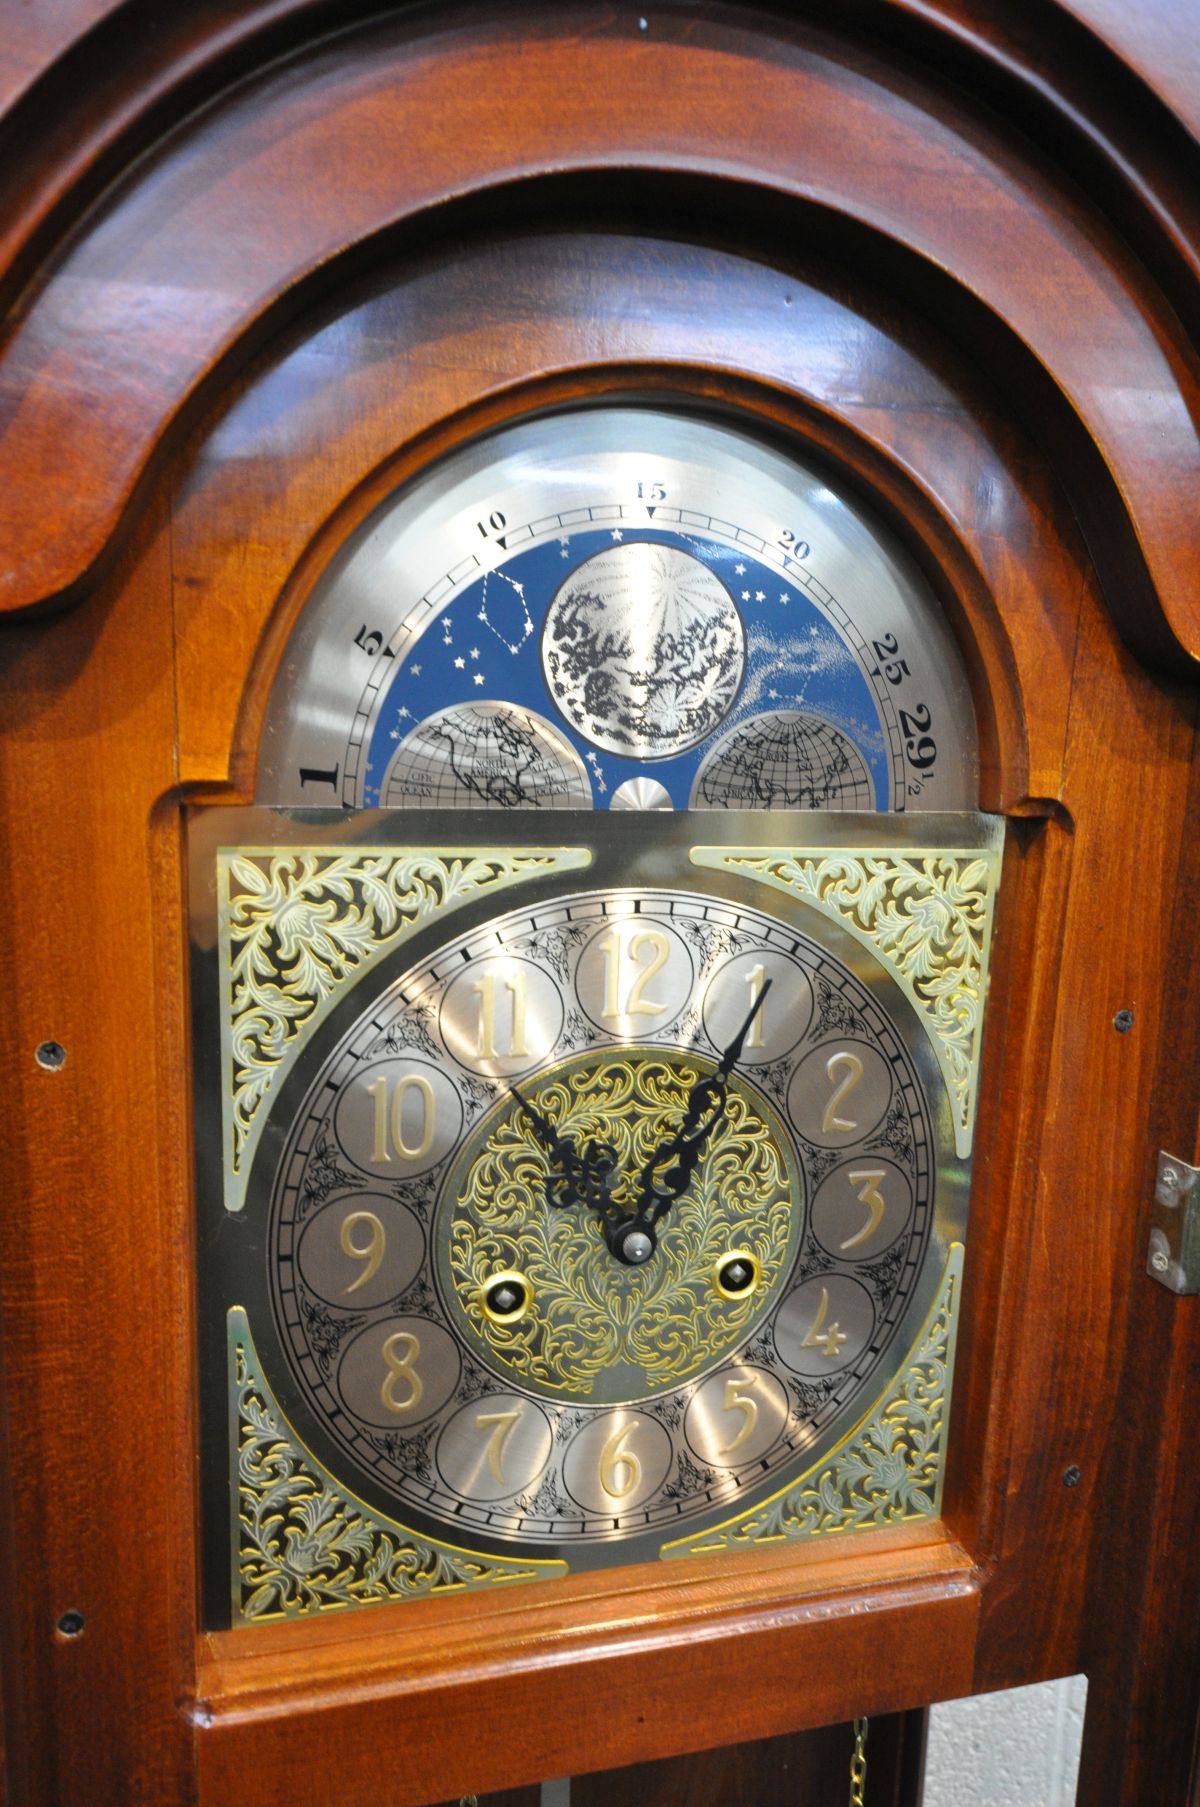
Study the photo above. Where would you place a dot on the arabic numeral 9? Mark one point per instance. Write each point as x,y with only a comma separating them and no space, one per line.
794,547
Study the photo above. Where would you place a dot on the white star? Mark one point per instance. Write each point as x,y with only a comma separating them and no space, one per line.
745,595
601,786
479,677
395,734
447,624
617,534
739,570
773,694
415,670
784,596
564,553
404,713
459,664
474,652
760,595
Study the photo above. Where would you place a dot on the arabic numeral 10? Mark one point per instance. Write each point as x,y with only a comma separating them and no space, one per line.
495,523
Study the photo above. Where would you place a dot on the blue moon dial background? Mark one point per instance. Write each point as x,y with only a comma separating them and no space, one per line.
485,645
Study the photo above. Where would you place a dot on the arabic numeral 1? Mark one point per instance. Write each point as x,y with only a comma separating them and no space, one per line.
793,546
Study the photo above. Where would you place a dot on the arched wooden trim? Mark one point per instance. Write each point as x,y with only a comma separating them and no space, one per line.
350,405
234,212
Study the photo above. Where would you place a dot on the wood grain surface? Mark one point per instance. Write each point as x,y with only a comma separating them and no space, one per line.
956,280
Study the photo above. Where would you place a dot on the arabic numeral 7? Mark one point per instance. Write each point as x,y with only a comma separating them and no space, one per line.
793,546
919,745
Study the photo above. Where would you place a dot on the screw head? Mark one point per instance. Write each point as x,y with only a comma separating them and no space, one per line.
1169,1177
70,1624
51,1055
1123,1021
1160,1262
1072,1476
637,1247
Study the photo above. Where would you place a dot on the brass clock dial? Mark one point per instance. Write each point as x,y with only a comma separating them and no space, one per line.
621,608
430,1249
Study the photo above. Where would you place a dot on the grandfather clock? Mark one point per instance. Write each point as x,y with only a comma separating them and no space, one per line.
599,786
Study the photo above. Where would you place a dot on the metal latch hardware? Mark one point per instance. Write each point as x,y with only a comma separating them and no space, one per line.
1174,1254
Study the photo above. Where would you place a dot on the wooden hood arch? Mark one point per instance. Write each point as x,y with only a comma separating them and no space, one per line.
282,256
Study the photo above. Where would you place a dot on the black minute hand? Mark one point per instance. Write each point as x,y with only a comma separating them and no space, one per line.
666,1175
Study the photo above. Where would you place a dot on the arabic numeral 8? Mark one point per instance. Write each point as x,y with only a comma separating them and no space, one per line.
794,547
919,745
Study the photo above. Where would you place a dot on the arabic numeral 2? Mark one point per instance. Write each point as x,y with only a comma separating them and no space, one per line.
919,745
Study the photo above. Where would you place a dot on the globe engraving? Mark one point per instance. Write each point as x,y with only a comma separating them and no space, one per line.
486,756
783,760
644,650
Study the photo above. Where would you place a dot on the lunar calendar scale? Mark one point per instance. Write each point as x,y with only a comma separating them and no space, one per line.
588,1196
616,609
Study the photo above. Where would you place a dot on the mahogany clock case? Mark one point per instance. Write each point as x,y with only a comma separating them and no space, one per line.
849,318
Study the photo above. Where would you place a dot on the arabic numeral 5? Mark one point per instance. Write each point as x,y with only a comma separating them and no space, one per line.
794,546
919,745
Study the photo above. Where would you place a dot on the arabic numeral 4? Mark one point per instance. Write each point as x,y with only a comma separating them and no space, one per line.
919,745
793,545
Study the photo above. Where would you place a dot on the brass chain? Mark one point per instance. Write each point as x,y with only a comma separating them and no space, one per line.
468,1800
858,1763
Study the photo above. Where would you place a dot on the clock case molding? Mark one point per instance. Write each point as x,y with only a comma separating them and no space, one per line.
955,259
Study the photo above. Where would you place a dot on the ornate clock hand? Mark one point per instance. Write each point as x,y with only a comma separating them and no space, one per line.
577,1177
667,1173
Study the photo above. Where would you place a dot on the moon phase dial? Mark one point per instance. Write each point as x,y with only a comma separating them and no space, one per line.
455,1336
623,606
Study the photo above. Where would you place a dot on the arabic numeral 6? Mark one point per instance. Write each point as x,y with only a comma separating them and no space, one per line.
919,745
793,546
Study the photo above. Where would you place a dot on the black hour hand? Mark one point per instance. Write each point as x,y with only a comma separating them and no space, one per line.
577,1176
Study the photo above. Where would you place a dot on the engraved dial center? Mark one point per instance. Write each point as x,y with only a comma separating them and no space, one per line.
600,1329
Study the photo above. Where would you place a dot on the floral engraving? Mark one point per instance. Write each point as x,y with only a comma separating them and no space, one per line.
297,924
887,1471
302,1546
928,914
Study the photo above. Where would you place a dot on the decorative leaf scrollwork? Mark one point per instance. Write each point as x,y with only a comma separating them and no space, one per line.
887,1471
296,925
302,1546
927,913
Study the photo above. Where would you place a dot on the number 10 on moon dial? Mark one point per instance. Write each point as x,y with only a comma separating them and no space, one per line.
595,1209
